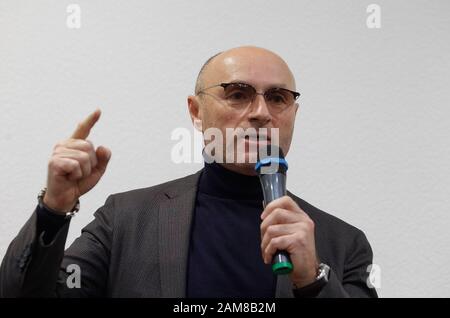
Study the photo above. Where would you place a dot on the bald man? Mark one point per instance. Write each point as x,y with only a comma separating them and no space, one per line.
205,235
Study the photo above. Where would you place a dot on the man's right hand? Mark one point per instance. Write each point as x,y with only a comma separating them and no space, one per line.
75,167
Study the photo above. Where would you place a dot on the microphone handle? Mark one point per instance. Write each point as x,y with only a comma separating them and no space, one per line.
274,187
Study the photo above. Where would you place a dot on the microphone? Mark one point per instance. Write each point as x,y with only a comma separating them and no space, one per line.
271,168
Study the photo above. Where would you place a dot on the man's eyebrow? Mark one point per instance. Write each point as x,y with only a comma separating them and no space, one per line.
277,86
280,85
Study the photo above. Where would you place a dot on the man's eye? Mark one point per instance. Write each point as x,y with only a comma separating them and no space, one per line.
277,98
237,96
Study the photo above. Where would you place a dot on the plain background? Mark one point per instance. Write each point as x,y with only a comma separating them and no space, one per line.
371,143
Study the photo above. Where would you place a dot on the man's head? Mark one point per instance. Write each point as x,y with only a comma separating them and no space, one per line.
258,67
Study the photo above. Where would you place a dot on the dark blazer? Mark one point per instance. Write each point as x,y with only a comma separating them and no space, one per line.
137,246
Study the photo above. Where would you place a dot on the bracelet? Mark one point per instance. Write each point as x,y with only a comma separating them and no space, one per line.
42,205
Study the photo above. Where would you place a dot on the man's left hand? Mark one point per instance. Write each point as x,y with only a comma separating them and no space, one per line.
287,227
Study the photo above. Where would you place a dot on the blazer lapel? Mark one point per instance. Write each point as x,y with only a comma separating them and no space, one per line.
175,219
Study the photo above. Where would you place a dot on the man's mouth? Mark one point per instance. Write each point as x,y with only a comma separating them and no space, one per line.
258,137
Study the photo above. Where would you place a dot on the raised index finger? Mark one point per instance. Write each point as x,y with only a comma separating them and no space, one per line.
84,127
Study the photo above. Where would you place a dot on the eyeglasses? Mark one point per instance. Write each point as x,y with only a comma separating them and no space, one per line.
240,95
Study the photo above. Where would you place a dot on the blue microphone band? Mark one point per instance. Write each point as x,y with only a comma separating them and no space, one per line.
270,160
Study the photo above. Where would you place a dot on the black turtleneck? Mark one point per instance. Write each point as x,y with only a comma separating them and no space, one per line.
225,254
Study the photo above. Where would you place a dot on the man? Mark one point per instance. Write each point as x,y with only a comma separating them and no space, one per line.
205,235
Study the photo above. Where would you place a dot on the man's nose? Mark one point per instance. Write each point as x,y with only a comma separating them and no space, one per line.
259,110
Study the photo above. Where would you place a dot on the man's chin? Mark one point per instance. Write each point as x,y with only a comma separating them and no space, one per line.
244,157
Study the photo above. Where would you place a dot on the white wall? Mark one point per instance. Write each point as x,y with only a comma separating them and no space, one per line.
371,143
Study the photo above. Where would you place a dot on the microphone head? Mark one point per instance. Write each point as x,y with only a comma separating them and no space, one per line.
271,160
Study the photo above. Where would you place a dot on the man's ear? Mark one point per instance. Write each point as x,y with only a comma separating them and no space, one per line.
297,106
195,112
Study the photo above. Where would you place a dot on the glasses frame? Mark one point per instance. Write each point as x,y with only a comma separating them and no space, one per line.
225,85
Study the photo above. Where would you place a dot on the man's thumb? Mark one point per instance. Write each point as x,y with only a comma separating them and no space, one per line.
103,156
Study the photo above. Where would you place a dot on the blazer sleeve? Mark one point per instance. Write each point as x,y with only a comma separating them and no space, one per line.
32,268
354,281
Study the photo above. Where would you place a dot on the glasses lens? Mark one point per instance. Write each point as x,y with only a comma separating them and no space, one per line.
279,97
239,94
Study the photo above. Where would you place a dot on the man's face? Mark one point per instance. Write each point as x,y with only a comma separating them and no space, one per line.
259,68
